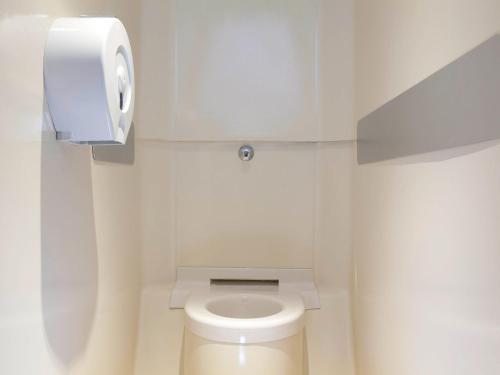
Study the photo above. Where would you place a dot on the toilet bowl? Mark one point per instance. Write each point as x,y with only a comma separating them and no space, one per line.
244,321
244,317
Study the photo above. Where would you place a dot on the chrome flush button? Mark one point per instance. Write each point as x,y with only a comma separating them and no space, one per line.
246,153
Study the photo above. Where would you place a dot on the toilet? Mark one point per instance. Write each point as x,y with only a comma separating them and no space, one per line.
244,321
244,318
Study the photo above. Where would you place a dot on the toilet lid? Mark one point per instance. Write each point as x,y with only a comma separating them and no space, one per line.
244,318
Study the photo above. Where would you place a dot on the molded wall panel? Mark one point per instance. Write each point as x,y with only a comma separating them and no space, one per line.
268,70
425,227
246,69
245,214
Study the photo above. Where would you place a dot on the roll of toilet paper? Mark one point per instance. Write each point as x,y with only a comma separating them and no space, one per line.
89,80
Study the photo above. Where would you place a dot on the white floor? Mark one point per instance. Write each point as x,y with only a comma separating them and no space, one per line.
328,332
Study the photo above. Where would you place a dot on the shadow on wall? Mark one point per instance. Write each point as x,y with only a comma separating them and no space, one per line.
68,245
117,154
457,106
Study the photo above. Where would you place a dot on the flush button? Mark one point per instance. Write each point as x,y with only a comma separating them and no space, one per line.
246,153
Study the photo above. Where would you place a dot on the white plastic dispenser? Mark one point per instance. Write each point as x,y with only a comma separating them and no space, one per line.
89,80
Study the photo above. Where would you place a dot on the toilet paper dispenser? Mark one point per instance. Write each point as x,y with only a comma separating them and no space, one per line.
89,80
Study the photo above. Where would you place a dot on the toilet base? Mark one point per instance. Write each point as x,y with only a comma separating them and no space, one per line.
205,357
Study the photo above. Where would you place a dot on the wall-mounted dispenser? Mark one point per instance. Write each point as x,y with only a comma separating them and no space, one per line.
89,80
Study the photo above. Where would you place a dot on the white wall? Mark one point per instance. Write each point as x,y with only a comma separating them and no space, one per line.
425,228
211,209
267,70
69,229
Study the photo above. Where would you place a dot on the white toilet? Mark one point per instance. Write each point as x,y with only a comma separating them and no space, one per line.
244,318
244,321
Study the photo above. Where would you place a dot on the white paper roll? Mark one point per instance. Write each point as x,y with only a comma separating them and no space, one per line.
89,80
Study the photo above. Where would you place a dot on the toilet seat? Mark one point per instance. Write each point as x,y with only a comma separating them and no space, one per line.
244,317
